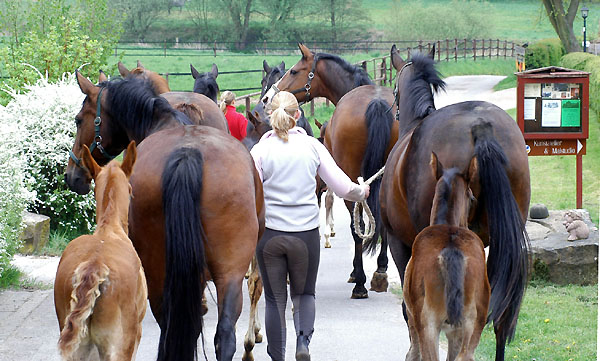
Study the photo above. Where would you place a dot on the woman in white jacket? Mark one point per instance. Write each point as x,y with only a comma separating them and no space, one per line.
288,161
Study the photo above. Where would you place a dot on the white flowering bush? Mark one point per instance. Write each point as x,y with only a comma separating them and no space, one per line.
44,116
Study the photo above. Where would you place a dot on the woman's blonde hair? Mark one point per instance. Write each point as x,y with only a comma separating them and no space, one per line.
227,97
283,110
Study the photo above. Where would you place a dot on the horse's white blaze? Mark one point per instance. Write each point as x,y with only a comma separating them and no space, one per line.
266,99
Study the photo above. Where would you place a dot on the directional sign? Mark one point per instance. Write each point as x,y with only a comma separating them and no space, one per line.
555,147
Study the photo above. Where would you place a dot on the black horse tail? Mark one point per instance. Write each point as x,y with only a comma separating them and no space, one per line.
379,119
181,322
452,266
508,260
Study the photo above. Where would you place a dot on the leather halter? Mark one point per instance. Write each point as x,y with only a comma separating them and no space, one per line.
396,90
97,142
306,87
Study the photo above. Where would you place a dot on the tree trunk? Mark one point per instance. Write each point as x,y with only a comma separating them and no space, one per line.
333,29
563,23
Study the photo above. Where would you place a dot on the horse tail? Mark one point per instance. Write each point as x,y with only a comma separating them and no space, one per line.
181,322
508,260
379,119
86,289
452,266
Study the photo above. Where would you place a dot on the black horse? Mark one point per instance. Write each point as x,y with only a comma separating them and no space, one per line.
206,83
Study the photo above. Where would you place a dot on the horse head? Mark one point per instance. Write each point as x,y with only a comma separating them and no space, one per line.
94,130
453,196
206,83
255,129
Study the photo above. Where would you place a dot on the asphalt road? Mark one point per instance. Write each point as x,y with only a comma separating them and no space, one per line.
346,329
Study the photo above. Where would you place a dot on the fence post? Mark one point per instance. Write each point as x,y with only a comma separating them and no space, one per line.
420,46
327,102
312,107
439,50
483,48
265,46
408,53
247,104
167,78
116,46
504,49
490,53
375,71
383,72
391,69
512,52
497,48
215,48
465,49
455,50
447,49
165,48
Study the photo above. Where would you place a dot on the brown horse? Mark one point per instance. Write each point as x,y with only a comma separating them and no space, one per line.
199,108
100,289
359,136
446,284
456,133
186,225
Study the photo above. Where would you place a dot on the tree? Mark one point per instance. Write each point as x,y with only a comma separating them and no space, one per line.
140,15
563,22
239,14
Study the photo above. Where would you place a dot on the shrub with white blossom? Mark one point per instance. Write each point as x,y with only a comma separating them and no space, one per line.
44,115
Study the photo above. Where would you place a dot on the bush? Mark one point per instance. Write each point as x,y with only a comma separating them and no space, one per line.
544,53
591,64
13,193
44,115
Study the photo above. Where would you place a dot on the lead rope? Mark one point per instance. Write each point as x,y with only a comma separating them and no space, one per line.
370,225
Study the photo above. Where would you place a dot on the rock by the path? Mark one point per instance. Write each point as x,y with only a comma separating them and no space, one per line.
36,232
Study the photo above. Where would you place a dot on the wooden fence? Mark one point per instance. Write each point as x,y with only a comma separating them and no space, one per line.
380,68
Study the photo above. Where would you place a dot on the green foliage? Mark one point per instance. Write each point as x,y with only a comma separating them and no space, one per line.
140,15
10,278
544,53
460,19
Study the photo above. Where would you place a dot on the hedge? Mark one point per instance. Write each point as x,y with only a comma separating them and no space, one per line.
591,64
544,53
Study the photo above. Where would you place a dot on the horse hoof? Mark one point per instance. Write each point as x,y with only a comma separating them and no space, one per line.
327,245
258,338
351,280
359,295
379,282
247,357
332,234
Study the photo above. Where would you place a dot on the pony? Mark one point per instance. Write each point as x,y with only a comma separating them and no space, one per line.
359,136
446,284
185,225
100,288
206,83
456,133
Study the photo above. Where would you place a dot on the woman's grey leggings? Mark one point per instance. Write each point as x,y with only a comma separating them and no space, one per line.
279,254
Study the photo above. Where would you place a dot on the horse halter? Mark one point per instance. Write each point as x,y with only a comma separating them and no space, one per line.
97,142
307,86
396,90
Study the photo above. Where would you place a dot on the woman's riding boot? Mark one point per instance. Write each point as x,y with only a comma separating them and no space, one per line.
302,353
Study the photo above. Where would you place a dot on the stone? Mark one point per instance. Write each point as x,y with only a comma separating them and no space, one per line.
538,211
36,232
562,261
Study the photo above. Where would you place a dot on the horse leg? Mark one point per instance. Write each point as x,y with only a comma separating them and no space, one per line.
229,296
401,254
455,339
253,334
358,274
500,343
329,217
379,282
428,334
413,352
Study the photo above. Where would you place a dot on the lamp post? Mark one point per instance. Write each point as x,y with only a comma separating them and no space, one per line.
584,15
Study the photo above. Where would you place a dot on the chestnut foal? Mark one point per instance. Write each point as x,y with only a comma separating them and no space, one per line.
446,280
100,289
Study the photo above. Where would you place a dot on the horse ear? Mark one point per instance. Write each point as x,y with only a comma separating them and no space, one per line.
306,54
85,84
473,171
318,124
129,160
123,70
253,118
140,65
214,71
89,162
282,67
102,77
397,61
431,54
195,73
437,169
266,67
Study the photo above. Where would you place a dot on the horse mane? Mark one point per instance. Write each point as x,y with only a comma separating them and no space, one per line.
445,188
359,74
133,103
424,76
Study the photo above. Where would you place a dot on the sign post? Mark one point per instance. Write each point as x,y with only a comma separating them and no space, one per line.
553,114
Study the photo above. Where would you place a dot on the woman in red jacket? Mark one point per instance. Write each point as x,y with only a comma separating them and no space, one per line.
237,122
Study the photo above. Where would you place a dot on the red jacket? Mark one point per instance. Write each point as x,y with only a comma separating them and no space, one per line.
237,123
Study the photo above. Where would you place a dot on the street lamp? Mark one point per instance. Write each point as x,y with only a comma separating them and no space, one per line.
584,15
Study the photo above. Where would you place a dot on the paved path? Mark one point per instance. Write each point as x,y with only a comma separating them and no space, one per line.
345,330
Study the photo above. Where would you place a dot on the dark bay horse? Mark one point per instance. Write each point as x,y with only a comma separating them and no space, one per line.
206,83
359,135
100,289
446,287
185,225
456,133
